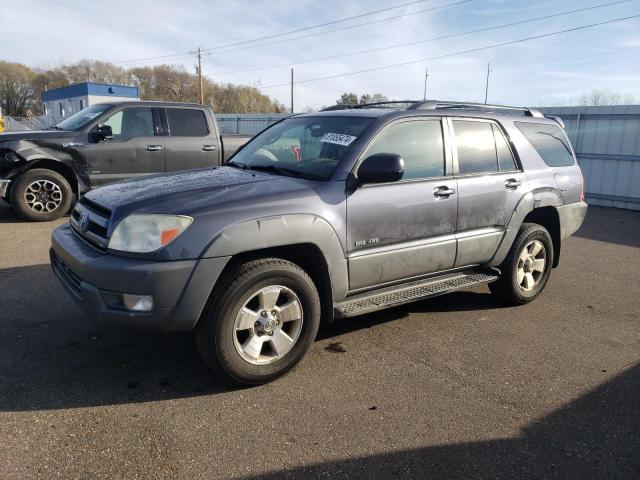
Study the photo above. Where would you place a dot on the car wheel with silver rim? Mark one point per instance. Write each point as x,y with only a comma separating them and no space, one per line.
526,270
268,324
262,317
40,194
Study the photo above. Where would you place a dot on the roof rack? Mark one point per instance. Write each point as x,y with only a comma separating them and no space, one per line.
437,105
387,104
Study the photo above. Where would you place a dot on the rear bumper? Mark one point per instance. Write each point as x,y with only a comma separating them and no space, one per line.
571,217
4,188
180,289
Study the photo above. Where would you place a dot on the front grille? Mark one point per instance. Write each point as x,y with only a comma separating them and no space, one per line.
91,222
70,279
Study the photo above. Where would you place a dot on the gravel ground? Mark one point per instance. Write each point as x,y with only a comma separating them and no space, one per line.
453,387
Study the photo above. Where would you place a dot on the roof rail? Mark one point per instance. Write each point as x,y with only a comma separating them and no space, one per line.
385,104
436,104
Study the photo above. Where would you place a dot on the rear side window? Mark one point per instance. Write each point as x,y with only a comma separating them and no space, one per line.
186,122
476,147
418,142
506,162
549,141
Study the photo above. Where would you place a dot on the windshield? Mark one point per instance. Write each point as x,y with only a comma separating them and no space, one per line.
83,117
308,147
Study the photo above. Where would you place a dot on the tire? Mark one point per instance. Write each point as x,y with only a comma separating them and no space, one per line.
523,275
228,341
41,195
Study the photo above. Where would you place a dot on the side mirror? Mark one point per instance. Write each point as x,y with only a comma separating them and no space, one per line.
381,168
103,132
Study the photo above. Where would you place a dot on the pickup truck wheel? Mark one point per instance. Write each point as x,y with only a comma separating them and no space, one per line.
526,270
262,319
41,195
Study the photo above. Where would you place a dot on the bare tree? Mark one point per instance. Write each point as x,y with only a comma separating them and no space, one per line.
600,97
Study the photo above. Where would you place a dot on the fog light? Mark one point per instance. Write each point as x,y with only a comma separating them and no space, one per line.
137,303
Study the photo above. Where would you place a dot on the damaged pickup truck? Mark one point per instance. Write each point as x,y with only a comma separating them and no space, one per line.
41,172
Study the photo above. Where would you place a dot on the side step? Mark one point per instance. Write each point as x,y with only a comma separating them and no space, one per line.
410,292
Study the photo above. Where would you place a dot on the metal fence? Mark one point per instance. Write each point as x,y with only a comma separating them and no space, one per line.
607,144
248,123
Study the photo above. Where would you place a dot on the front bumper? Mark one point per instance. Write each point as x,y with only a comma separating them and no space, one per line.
180,289
571,217
4,188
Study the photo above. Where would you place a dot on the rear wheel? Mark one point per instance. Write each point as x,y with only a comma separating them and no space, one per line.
41,195
526,270
261,321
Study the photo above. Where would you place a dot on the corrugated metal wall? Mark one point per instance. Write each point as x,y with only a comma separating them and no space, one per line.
248,123
607,144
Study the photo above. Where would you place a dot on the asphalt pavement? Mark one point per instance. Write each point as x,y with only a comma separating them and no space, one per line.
455,387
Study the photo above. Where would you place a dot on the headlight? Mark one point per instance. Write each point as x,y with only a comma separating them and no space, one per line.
147,233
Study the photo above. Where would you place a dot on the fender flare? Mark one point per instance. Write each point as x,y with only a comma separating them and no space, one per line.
537,198
283,230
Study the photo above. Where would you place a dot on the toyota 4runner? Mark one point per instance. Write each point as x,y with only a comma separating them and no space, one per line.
327,215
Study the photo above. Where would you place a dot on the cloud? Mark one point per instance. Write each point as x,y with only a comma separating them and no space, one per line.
70,30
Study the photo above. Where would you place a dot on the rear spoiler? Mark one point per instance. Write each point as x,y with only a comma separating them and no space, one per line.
558,120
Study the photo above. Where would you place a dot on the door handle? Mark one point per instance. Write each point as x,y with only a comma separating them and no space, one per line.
154,148
443,191
208,148
512,183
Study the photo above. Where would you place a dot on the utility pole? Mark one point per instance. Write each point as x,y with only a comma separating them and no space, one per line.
426,77
292,91
199,68
486,89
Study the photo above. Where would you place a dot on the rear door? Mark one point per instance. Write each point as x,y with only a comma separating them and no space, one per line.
135,149
191,141
404,229
489,187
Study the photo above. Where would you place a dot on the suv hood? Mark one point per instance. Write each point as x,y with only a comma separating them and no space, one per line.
191,192
35,135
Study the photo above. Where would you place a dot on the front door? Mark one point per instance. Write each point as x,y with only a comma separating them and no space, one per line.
136,148
489,188
404,229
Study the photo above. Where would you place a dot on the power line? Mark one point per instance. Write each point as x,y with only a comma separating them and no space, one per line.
325,24
486,47
442,37
348,27
281,34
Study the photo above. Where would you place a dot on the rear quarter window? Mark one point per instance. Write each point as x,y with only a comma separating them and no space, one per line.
549,141
186,122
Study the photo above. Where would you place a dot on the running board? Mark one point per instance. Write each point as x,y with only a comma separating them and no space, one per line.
410,292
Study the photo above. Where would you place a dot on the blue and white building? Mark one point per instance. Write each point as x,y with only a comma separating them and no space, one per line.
62,102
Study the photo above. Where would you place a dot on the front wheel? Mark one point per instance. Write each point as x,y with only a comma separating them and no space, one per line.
262,319
526,270
41,195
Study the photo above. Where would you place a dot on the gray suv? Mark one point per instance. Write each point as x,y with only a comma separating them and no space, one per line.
327,215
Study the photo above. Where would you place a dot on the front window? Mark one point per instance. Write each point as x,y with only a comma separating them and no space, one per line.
308,147
130,123
82,118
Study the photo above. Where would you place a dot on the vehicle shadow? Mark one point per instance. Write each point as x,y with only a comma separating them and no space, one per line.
611,225
54,356
596,436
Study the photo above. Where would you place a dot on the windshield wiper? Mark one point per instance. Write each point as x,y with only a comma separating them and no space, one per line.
55,127
239,165
275,169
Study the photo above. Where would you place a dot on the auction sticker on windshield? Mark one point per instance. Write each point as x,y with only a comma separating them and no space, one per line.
338,138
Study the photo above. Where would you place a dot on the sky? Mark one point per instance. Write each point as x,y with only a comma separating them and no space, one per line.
552,70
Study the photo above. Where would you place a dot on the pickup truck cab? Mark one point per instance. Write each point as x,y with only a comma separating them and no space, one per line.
42,171
327,215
